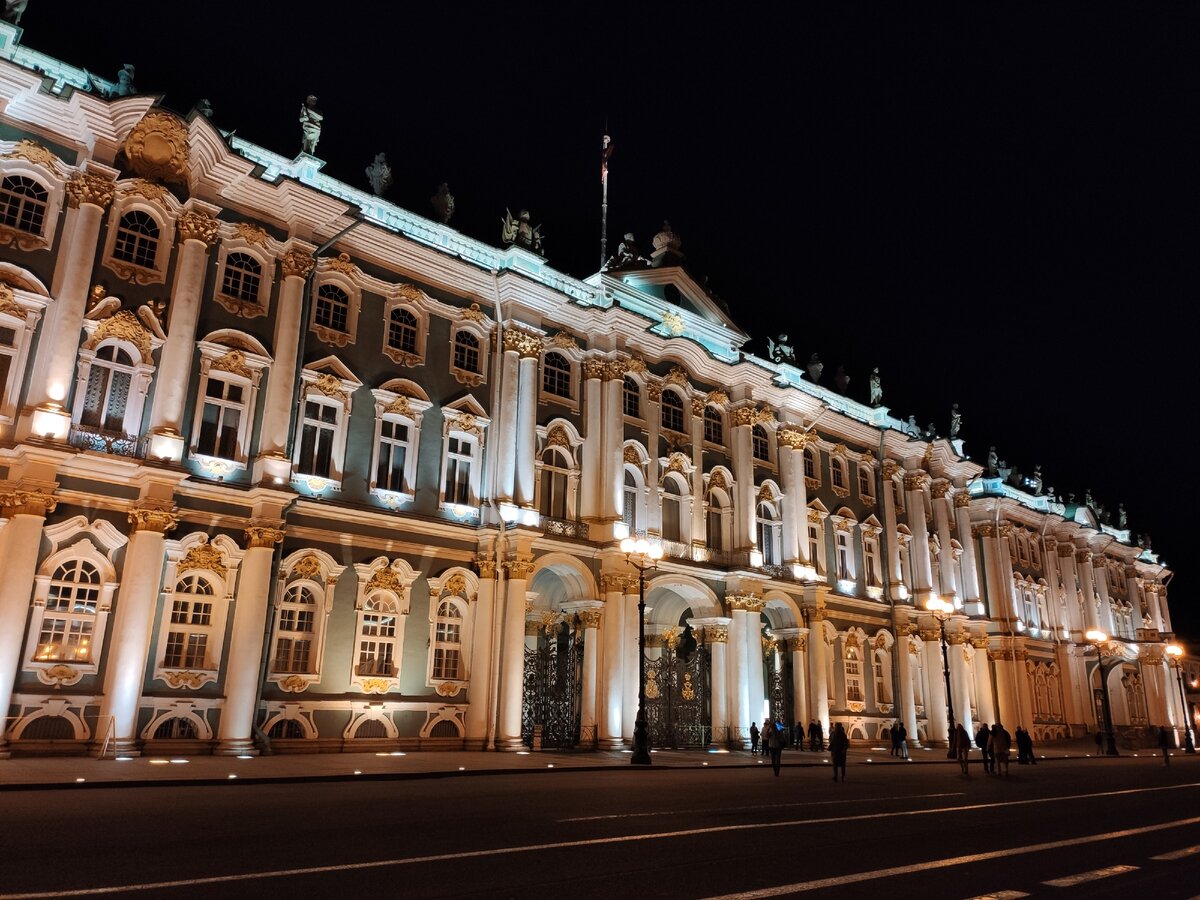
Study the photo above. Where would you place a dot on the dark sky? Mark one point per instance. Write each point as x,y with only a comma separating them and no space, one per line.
995,206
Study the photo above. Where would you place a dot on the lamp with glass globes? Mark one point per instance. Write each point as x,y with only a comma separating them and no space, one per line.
1175,653
1099,639
942,611
643,555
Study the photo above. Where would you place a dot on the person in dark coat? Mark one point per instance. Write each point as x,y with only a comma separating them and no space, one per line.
1164,744
816,736
838,745
894,735
774,743
1000,745
902,740
1099,741
753,738
960,743
981,741
767,727
1025,748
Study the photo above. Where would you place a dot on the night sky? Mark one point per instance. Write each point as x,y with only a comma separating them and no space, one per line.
996,207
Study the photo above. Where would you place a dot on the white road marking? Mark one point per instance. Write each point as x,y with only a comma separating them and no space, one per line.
1002,895
687,812
1178,854
1094,875
661,835
837,880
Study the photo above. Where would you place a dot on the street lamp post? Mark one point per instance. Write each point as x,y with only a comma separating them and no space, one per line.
1100,639
941,611
1175,652
643,556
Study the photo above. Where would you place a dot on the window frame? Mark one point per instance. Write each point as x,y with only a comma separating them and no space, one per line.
568,373
48,178
636,393
232,366
325,383
20,311
663,408
125,204
469,377
261,306
714,423
314,571
469,429
402,403
141,375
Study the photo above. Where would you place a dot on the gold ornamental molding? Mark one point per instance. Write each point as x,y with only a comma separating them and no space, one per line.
140,187
203,556
294,684
87,187
523,343
698,405
400,406
654,393
594,368
939,489
251,233
798,644
930,634
558,437
794,438
486,566
1083,556
748,602
151,518
297,263
263,536
955,639
742,416
1066,550
611,583
197,226
890,468
125,326
32,151
915,481
448,689
590,617
157,148
716,634
386,579
234,362
308,567
341,263
455,586
519,568
190,680
630,455
330,386
719,398
472,313
979,643
27,503
962,499
374,685
561,340
677,375
59,675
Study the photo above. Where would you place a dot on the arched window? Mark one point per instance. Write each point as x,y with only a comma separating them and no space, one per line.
377,637
837,472
333,308
714,427
810,463
137,239
715,522
882,665
631,398
186,645
447,641
672,510
402,330
854,691
759,443
556,375
629,498
70,614
864,482
23,204
816,545
466,351
845,558
769,533
295,630
555,478
672,411
242,278
108,389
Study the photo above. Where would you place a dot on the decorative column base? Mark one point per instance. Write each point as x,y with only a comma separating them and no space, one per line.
612,744
235,747
510,745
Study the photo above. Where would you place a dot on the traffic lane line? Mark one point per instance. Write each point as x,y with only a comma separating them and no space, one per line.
725,809
1093,875
1178,854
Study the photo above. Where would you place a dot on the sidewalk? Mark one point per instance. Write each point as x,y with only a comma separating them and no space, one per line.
39,773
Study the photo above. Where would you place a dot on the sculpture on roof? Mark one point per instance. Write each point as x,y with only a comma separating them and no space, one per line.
204,107
123,88
841,380
1087,498
443,203
519,231
781,351
815,368
13,10
875,388
912,427
955,421
993,463
628,253
379,173
310,125
667,239
1122,517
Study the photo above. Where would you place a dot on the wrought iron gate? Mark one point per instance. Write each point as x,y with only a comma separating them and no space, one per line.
678,688
553,686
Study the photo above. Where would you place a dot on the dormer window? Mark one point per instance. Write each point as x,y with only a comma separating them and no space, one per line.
137,239
23,204
672,411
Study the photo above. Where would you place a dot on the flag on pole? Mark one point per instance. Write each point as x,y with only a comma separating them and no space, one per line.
605,153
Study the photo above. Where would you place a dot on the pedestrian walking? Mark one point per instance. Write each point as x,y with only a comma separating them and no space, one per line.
1099,742
816,736
767,727
775,743
1000,745
1024,748
960,742
838,745
1164,743
893,738
981,741
902,740
753,738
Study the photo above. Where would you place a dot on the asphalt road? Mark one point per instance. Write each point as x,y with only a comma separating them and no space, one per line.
894,831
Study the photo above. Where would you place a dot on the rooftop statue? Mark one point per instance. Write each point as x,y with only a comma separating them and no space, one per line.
993,463
1037,479
781,351
124,86
519,231
931,432
204,108
667,239
815,368
912,427
1087,497
13,10
955,421
1122,517
310,125
443,203
875,388
628,252
379,173
841,380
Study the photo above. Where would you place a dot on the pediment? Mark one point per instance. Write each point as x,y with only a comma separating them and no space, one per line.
333,366
675,286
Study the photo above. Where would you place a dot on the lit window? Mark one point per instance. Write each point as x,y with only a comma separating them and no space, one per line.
333,308
760,445
402,331
70,613
392,464
672,411
318,438
810,463
137,239
221,418
23,204
631,398
769,534
714,429
854,692
816,556
8,353
629,497
242,278
715,522
191,624
466,352
447,642
672,510
845,564
377,638
556,375
295,631
556,471
460,457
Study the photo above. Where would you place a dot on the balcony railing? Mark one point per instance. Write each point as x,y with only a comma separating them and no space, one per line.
87,437
565,528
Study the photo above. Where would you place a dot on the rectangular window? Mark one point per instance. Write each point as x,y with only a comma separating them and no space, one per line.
445,662
65,639
814,547
186,650
8,349
291,655
853,681
221,419
393,454
316,441
459,454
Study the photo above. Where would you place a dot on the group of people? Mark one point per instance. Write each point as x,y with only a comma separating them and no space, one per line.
899,737
793,736
774,736
995,744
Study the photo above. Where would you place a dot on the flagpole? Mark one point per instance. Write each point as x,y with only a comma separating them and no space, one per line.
606,149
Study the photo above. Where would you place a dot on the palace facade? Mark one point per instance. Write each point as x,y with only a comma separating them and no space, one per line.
282,463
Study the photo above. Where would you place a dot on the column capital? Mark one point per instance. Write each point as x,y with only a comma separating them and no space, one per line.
590,617
297,263
915,481
939,489
518,568
794,437
194,225
153,518
263,536
594,368
87,187
962,499
748,602
486,564
522,342
27,503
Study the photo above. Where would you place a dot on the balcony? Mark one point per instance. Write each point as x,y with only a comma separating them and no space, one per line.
565,528
97,440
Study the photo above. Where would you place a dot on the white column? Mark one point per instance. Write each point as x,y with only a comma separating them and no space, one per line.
612,477
739,716
480,691
894,545
589,612
88,195
526,430
512,656
982,670
914,491
718,640
902,658
591,485
631,665
935,688
754,660
817,675
613,677
947,565
1007,712
699,529
20,541
278,407
742,450
197,232
1075,615
132,625
1134,598
969,589
653,429
1083,559
1100,580
243,667
959,685
791,442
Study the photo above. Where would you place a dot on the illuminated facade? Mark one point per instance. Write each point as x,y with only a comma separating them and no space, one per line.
281,461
